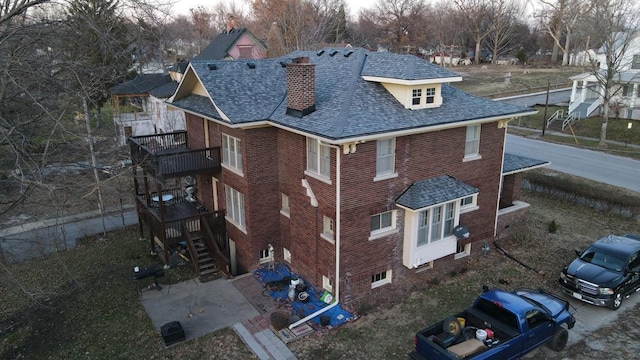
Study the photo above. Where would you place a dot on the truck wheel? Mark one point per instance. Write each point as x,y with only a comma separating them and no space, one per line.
559,339
616,302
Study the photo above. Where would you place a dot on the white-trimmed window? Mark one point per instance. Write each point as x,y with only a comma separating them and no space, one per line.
385,157
383,223
265,256
232,152
462,251
326,283
416,96
430,95
286,255
318,157
469,203
380,279
327,228
235,207
472,143
435,223
284,208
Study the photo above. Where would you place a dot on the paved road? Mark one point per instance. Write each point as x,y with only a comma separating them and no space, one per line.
595,165
555,97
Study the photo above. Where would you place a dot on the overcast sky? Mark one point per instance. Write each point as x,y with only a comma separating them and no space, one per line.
183,6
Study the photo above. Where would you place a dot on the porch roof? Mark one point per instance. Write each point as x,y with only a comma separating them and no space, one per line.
432,191
514,164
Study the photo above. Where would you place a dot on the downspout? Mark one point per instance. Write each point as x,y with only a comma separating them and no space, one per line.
501,183
337,295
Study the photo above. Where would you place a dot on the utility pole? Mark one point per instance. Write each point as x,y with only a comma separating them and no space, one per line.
546,105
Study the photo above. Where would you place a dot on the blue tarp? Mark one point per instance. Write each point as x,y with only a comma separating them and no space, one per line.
280,275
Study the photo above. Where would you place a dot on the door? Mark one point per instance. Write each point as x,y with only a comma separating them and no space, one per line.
540,329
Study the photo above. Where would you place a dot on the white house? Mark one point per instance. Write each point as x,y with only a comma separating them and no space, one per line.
586,95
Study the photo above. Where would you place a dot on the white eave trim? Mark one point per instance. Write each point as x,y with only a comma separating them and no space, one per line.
526,169
412,82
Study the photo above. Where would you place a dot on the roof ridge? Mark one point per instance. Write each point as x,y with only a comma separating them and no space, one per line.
346,105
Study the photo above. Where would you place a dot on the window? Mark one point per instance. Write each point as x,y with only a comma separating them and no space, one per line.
472,144
383,223
235,207
318,157
435,224
430,95
635,64
416,96
327,228
385,157
462,251
284,209
231,152
245,51
326,283
286,254
380,279
265,256
469,203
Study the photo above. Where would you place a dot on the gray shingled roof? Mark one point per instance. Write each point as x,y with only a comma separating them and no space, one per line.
141,84
218,48
515,163
437,190
347,106
165,90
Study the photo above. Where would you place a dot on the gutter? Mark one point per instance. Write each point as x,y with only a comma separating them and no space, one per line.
337,294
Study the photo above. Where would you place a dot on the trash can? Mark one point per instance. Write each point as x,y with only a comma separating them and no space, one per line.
172,333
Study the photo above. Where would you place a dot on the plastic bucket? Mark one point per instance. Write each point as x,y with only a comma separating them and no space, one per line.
481,335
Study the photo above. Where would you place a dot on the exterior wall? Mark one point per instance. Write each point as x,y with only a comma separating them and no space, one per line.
257,52
511,185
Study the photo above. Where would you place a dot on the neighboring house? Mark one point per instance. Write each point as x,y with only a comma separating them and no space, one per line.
233,44
139,106
359,169
586,94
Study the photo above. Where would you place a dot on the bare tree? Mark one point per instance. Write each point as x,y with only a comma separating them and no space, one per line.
506,16
559,19
476,15
400,23
619,21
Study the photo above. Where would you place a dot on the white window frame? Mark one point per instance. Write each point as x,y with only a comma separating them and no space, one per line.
416,94
472,143
471,205
318,160
328,227
235,208
635,61
265,256
383,231
286,254
385,153
326,283
432,221
430,95
380,279
284,205
232,153
462,251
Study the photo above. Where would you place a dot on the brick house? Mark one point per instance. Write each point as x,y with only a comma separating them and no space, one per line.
359,169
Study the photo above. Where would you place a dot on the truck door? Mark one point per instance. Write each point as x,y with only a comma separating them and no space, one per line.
633,275
540,329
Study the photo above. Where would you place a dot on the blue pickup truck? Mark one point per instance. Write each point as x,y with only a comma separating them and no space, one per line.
499,325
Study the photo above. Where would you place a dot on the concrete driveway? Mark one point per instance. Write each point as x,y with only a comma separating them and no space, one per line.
588,319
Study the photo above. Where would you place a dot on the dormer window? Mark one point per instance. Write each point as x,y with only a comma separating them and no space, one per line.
416,96
430,95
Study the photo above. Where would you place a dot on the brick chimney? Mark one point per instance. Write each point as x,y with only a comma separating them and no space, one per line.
301,87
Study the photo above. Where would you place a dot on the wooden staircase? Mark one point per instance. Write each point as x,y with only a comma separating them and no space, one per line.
202,253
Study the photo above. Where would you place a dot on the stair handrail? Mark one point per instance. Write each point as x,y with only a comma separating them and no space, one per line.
596,104
572,118
219,256
556,115
573,106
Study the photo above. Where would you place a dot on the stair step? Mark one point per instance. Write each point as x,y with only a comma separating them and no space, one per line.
208,271
205,260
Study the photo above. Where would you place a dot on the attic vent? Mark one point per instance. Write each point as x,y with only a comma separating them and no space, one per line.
212,66
348,53
283,63
333,52
251,65
320,52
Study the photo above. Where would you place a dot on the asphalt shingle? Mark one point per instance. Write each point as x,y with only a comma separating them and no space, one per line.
516,163
437,190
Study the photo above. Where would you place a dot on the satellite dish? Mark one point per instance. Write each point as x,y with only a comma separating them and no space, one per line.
461,231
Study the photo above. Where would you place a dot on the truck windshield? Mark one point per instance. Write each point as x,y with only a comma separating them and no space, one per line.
602,259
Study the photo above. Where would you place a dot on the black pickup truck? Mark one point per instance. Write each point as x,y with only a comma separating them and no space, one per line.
605,273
